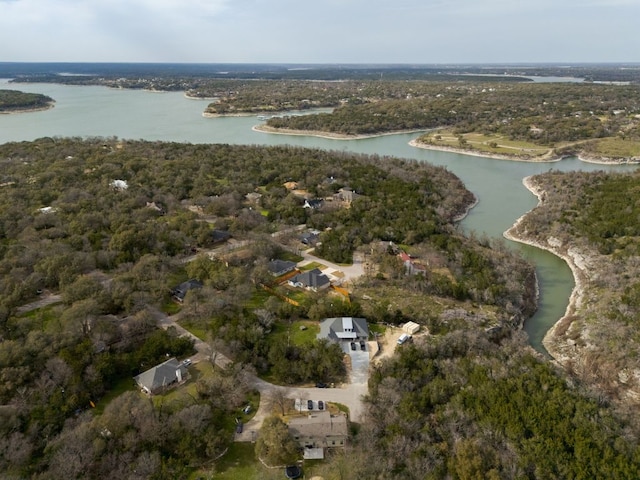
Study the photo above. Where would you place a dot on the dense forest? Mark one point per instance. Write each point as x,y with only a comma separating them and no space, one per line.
14,101
591,219
105,228
459,406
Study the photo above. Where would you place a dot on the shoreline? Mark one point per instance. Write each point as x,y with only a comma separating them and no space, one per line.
474,153
29,110
543,159
328,135
578,291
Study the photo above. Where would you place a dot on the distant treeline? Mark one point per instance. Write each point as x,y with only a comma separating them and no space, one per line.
590,72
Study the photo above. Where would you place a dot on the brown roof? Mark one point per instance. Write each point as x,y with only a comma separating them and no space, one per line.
319,425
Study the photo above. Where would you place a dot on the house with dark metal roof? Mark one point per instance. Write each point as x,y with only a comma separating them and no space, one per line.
310,238
179,292
219,236
312,280
280,267
161,377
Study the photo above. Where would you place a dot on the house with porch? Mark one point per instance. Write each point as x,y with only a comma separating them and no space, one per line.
344,329
318,431
162,377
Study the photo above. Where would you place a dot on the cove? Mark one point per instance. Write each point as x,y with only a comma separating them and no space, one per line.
135,114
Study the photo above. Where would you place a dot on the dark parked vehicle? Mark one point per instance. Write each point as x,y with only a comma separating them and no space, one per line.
321,385
239,427
310,404
353,345
320,405
363,345
293,471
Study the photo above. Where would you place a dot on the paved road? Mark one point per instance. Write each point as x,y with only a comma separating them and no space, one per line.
339,274
349,395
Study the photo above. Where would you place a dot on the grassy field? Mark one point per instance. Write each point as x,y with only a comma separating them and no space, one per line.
617,148
299,336
185,393
491,144
123,385
311,266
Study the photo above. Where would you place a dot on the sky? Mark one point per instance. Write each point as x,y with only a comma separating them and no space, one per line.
327,31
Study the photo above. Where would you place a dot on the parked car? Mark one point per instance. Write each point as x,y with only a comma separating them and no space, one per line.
321,385
320,405
310,404
186,362
363,345
246,409
239,427
353,345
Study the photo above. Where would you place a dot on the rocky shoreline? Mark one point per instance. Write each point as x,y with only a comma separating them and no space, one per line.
572,258
329,135
515,158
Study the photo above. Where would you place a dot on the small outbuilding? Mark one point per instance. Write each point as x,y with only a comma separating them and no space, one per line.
411,328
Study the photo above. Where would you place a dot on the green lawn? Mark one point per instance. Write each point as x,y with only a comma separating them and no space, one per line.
299,336
239,463
258,298
377,328
197,329
123,385
312,265
185,393
40,318
496,144
618,148
290,256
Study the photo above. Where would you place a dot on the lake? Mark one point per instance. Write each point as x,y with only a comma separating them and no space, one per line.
135,114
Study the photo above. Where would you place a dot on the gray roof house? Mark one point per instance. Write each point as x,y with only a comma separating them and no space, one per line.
310,238
180,291
280,267
344,328
312,280
161,377
319,430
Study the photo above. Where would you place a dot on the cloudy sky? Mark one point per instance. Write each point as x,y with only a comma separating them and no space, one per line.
327,31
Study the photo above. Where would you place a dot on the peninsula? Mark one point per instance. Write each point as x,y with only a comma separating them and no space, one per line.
12,101
588,220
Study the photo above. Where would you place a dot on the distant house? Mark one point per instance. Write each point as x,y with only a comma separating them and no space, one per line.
253,197
345,195
163,376
344,328
312,280
310,238
219,236
410,265
319,430
180,291
313,203
280,267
